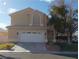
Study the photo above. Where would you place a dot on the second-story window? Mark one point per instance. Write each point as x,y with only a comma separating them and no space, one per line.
29,18
36,19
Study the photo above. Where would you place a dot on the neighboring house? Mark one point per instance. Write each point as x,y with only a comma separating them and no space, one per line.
2,30
28,25
3,35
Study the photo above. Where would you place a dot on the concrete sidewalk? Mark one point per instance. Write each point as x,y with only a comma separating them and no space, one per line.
16,49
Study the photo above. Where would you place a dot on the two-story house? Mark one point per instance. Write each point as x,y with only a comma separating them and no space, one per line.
28,25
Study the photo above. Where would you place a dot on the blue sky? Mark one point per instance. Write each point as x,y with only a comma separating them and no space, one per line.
10,6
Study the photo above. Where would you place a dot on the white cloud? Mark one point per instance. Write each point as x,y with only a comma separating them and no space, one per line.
4,3
11,10
3,26
49,1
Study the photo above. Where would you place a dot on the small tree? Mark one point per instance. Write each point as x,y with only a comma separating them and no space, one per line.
58,18
62,21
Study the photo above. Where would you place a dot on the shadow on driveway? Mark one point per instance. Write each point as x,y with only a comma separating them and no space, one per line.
33,47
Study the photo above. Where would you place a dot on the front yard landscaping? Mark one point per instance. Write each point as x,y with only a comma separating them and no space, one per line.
73,47
6,46
68,47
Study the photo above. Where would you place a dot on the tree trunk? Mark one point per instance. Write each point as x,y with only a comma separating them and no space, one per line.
54,36
69,39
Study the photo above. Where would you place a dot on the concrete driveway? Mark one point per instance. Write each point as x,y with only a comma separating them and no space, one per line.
27,47
31,47
34,51
22,55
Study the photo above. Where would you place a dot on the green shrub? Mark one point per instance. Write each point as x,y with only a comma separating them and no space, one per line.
70,47
6,46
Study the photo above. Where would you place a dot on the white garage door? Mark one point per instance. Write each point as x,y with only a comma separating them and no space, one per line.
31,37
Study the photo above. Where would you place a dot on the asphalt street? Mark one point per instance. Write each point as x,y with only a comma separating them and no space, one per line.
25,55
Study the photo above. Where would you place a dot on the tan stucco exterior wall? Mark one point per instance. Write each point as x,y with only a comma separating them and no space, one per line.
20,23
13,36
21,18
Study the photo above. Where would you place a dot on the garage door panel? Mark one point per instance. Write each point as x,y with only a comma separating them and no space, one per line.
32,37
